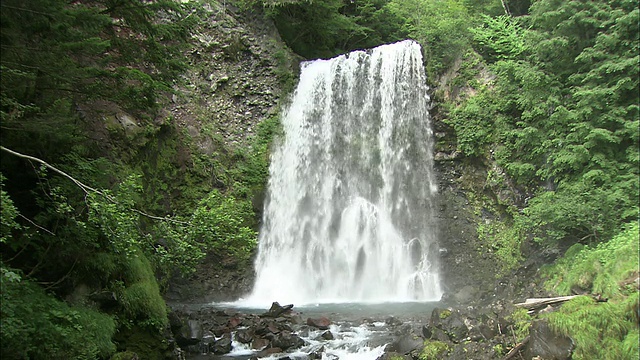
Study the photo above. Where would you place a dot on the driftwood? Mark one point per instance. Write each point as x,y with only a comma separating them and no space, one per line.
535,303
516,349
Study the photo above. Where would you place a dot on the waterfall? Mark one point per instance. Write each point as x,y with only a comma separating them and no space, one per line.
349,215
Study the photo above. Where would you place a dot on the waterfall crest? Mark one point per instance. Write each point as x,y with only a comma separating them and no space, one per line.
349,214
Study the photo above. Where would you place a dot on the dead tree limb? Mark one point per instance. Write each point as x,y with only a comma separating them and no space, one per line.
516,349
535,303
86,188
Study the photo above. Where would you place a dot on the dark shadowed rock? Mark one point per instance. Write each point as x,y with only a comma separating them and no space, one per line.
259,343
277,310
327,335
321,323
221,346
449,321
189,334
244,336
286,340
426,331
547,344
439,335
406,344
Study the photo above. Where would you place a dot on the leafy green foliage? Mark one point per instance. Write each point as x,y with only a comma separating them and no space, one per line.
36,325
56,57
521,323
560,116
600,330
8,214
316,29
500,38
441,26
504,240
599,269
220,223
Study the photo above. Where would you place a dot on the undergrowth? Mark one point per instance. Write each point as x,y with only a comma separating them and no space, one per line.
601,330
600,269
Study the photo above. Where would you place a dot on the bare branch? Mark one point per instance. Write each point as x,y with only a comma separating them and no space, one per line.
86,188
36,225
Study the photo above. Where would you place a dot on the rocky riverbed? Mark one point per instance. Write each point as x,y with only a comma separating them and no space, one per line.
283,332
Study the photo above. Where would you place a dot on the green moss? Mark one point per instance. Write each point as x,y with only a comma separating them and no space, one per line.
445,314
140,295
498,349
503,240
521,323
125,355
148,345
433,349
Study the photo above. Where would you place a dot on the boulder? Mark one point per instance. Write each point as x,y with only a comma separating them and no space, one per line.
451,322
221,346
547,344
234,322
406,344
427,331
189,334
321,323
244,336
393,321
277,310
286,340
259,343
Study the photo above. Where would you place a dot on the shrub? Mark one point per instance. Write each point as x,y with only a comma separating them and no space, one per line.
37,325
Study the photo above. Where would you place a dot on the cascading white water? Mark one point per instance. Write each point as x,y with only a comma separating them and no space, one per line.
349,213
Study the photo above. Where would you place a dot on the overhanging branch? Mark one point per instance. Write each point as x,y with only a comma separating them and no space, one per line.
86,188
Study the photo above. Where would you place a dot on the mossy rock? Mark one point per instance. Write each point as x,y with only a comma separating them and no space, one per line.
433,349
143,343
125,355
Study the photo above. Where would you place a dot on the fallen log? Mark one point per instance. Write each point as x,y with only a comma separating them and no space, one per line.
535,303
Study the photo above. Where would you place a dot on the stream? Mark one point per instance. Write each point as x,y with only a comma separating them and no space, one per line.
359,331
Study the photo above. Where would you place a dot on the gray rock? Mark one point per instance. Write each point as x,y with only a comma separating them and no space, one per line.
406,344
547,344
286,340
221,346
451,322
243,336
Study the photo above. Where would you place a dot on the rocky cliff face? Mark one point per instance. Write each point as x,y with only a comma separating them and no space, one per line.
473,273
239,71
